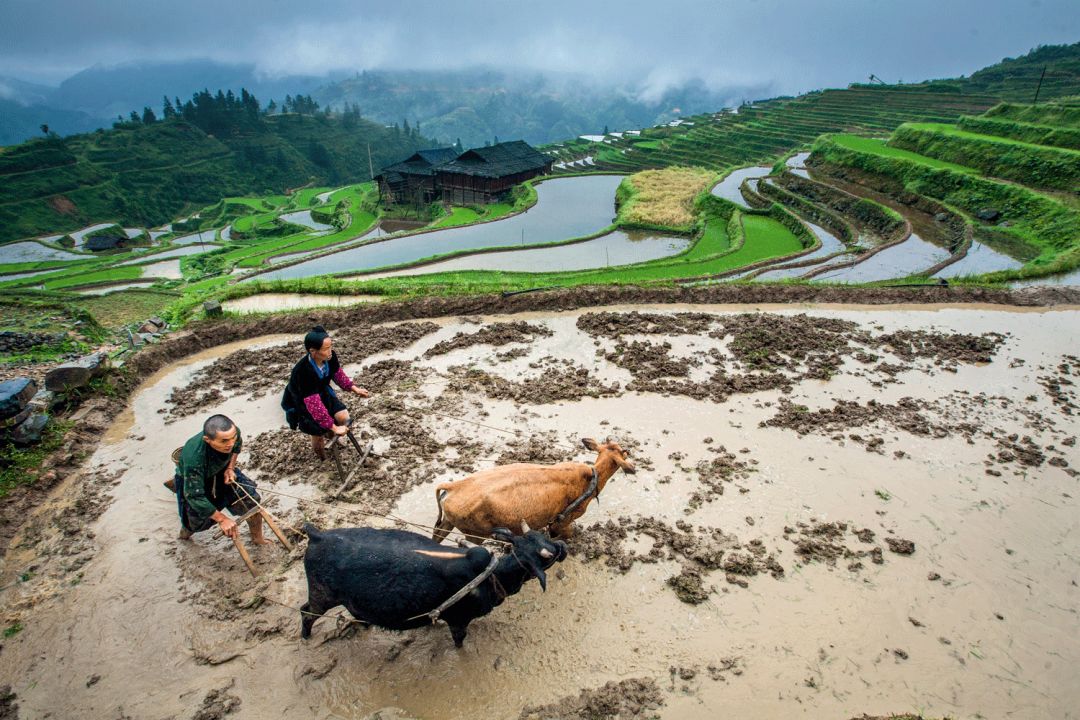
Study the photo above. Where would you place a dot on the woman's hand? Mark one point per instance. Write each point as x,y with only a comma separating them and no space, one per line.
360,391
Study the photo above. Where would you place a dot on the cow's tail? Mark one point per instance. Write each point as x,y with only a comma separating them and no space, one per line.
312,532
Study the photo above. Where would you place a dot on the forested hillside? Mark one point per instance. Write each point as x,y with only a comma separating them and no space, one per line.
147,171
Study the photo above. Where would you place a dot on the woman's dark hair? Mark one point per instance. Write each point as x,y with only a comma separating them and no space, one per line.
314,339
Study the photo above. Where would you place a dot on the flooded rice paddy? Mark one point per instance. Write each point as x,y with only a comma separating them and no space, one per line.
303,217
29,251
170,254
277,302
206,236
980,259
922,527
111,288
566,208
830,245
728,188
909,257
614,248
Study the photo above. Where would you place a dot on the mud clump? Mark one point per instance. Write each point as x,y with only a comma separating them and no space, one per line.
634,698
647,361
824,542
543,448
9,709
944,348
614,324
906,414
700,550
812,346
1057,386
900,546
689,586
253,373
562,381
713,474
496,334
218,703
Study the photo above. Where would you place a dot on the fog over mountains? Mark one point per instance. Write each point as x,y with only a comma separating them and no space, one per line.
474,105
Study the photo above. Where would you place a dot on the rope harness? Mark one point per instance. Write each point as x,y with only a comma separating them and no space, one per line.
590,491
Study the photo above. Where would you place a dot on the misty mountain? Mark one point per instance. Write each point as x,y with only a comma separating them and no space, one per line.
475,105
478,105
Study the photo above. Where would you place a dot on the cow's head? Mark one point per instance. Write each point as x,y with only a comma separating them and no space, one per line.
611,448
533,550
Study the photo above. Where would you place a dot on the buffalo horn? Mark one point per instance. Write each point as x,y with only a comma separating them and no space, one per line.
524,527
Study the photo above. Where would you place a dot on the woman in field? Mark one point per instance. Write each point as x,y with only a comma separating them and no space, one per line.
310,403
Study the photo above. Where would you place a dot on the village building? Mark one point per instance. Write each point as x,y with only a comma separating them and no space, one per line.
413,179
478,176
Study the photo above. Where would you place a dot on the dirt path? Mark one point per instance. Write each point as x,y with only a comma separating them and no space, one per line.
839,510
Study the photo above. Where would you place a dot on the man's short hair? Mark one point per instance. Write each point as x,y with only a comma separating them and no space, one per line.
217,424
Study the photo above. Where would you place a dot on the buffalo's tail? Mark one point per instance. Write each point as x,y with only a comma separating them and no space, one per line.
312,532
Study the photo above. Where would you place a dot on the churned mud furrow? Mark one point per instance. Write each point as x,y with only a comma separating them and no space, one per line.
837,510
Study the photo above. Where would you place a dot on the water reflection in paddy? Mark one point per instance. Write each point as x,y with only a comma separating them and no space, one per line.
728,188
979,259
203,237
907,258
303,217
565,208
169,254
615,248
28,251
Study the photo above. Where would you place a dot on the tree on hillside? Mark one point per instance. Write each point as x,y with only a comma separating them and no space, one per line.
167,109
45,129
148,116
271,108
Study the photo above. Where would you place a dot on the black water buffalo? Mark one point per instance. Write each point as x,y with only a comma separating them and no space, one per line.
389,577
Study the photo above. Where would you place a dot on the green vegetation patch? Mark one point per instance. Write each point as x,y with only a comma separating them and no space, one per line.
1025,132
1033,165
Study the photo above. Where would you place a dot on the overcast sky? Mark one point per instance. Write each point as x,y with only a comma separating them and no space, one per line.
795,45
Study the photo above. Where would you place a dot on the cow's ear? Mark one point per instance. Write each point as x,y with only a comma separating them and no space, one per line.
590,444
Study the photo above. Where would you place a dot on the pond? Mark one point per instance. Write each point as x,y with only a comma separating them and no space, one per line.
615,248
303,217
274,302
910,256
728,188
980,259
29,251
566,208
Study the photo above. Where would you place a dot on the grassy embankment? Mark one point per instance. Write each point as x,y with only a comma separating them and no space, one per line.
1048,227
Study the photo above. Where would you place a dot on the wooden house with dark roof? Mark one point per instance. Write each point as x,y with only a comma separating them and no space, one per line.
413,179
477,176
486,174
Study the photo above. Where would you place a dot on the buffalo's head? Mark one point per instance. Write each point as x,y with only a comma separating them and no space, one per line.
533,550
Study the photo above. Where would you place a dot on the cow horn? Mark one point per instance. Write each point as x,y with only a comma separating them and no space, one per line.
524,527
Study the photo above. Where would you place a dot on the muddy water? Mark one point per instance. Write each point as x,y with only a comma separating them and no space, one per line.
996,638
566,208
728,188
980,259
615,248
276,302
907,258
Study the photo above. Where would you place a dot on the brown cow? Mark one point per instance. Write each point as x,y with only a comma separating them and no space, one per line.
506,495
